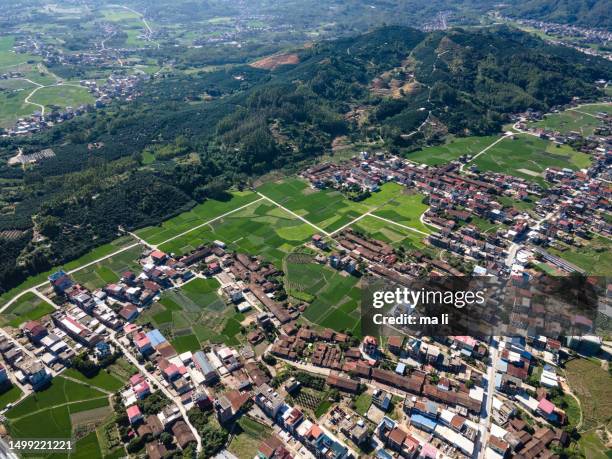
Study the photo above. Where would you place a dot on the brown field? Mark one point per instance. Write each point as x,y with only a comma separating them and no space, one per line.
273,62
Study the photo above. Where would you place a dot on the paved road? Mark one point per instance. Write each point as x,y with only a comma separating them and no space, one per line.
127,353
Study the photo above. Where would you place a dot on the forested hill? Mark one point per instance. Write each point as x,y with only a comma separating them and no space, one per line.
189,137
585,13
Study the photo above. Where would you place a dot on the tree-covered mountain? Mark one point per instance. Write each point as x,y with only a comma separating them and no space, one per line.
585,13
206,131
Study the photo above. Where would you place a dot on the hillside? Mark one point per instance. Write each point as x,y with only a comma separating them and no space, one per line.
190,137
585,13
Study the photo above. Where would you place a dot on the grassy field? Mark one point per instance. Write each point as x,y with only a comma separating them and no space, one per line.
102,380
453,149
594,391
10,395
596,108
405,209
62,96
260,229
392,234
8,58
363,402
336,295
12,101
109,270
55,405
591,446
249,434
327,209
28,307
595,256
528,156
567,121
196,216
98,252
87,447
195,314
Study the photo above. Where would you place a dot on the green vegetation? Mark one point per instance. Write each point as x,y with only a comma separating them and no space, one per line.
87,447
327,209
199,214
90,256
569,120
232,123
10,395
248,434
322,408
55,404
594,391
363,402
62,96
102,380
593,13
110,269
260,229
390,233
527,157
336,295
405,209
8,58
451,150
592,447
594,256
27,307
195,314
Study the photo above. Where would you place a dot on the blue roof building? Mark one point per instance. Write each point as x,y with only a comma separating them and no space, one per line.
423,422
156,337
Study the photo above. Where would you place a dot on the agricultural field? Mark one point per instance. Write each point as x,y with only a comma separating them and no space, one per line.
56,404
8,58
62,96
248,437
259,229
10,395
12,101
335,295
109,270
103,380
594,392
195,314
27,307
98,252
591,446
527,156
451,150
567,121
199,214
405,209
387,232
595,256
593,109
327,209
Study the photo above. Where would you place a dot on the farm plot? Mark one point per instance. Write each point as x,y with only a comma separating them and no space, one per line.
392,234
594,109
327,209
260,229
109,270
567,121
103,380
195,314
55,404
247,437
335,295
27,307
62,96
450,151
528,156
405,209
594,391
12,101
595,256
199,214
96,253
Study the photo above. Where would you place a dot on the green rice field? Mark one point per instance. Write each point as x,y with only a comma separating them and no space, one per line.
27,307
451,150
